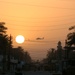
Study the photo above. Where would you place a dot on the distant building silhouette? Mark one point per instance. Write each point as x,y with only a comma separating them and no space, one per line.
59,51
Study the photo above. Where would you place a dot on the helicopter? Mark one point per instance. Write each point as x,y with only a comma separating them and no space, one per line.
40,38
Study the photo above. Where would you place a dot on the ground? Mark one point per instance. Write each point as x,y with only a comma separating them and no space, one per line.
34,73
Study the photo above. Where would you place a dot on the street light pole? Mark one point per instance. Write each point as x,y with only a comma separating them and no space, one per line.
9,52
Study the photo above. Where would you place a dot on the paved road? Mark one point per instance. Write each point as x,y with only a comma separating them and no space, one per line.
34,73
37,73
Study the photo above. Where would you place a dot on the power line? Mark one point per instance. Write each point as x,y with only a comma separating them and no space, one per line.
17,25
36,5
51,43
68,0
40,21
36,30
37,17
45,41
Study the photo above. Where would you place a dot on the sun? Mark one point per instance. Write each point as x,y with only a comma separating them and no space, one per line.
20,39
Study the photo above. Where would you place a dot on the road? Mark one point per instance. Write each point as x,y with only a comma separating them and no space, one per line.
33,73
37,73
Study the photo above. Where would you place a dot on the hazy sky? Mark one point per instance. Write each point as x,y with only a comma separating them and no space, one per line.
38,18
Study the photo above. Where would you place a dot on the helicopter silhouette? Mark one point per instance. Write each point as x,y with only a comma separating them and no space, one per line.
40,38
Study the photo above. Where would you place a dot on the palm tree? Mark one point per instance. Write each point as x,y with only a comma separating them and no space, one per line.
4,42
71,37
3,36
2,28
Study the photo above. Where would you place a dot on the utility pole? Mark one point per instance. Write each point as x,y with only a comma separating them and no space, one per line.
9,50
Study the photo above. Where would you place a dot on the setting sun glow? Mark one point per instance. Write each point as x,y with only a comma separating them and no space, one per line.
27,20
20,39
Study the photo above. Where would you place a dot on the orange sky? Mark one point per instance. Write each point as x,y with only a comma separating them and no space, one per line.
38,18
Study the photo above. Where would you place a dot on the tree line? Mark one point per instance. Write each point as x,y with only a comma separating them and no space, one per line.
7,50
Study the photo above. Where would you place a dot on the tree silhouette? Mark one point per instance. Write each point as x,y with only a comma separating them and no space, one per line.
27,57
4,42
2,28
71,37
51,55
20,54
